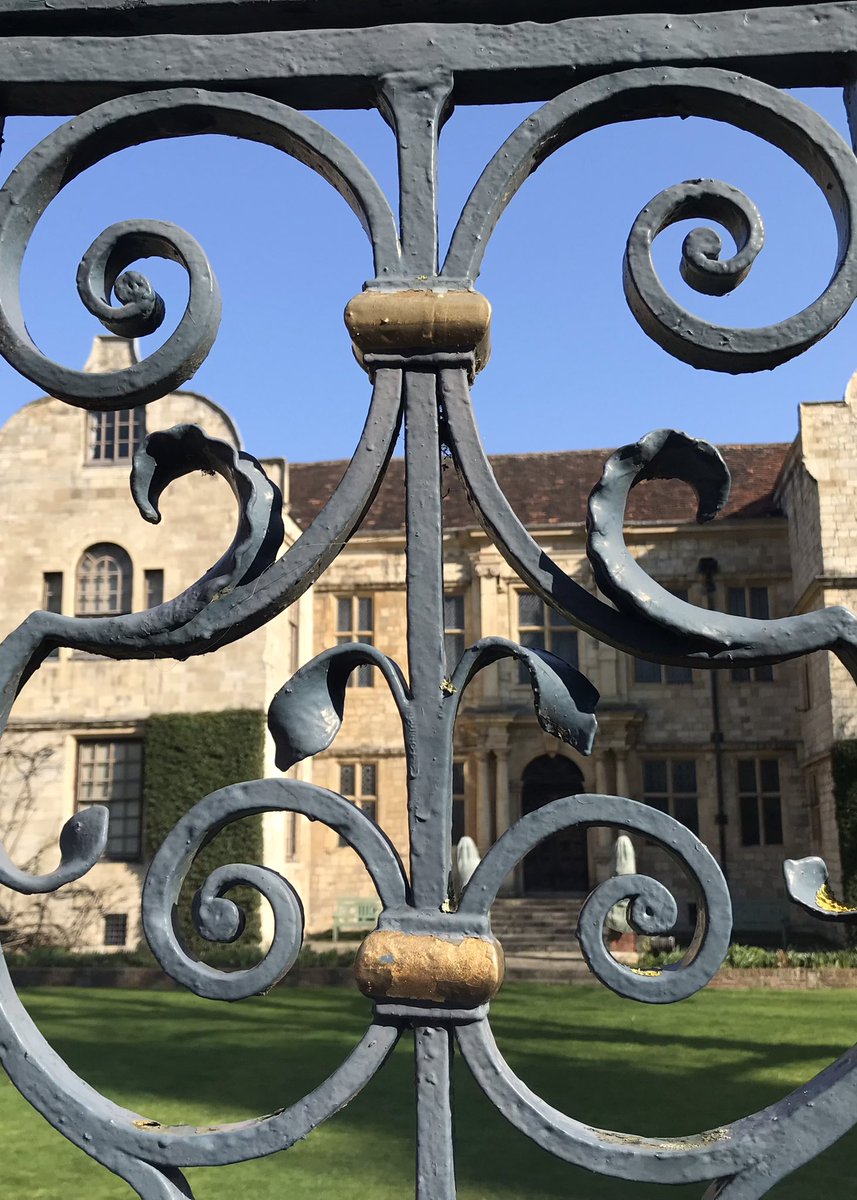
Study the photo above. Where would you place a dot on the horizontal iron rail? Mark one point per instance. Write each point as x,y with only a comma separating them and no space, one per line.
809,45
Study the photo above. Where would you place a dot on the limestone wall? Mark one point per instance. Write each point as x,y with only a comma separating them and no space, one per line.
56,504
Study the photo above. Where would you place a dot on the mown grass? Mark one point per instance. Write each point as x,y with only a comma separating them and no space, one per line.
651,1070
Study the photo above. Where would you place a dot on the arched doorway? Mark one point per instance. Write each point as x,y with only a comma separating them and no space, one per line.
558,864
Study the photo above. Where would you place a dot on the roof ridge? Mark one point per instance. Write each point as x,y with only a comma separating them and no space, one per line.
601,450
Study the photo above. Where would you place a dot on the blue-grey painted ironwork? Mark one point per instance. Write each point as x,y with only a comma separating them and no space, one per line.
152,71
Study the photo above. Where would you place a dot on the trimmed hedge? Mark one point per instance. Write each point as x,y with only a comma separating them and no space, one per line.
754,958
844,768
187,756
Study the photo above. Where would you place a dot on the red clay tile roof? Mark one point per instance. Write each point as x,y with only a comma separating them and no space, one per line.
550,489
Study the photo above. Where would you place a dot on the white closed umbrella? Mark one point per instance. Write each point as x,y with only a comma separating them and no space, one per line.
466,861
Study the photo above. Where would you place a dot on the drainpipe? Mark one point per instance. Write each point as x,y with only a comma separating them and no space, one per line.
708,569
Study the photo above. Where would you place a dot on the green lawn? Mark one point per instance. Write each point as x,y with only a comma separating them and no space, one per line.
652,1070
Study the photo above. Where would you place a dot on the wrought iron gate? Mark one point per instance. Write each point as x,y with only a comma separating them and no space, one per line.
167,68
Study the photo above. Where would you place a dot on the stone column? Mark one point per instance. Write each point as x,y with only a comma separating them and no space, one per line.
621,774
601,838
483,803
504,812
503,808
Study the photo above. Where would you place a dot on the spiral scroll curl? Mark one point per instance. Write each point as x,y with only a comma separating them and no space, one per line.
652,908
116,125
746,1157
746,103
140,1150
219,918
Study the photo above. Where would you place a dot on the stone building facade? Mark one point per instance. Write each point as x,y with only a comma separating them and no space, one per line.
747,768
75,543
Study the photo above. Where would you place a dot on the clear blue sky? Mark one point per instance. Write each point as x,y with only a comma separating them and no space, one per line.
570,366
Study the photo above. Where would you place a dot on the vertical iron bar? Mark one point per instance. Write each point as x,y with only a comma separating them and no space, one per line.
415,107
433,1063
429,784
708,569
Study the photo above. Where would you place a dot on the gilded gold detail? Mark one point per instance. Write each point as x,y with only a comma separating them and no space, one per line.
391,965
414,322
826,901
642,971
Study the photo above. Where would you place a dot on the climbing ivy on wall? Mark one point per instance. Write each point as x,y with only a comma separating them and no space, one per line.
844,766
188,755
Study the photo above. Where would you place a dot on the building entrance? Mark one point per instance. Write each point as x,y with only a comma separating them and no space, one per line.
558,864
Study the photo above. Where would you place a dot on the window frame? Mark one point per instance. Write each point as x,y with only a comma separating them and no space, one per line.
459,800
548,629
135,854
453,633
128,430
739,674
121,918
125,589
153,587
359,798
672,795
667,674
759,795
53,586
364,675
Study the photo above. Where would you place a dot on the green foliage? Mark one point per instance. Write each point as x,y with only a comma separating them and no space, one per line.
752,957
844,768
650,961
755,957
187,756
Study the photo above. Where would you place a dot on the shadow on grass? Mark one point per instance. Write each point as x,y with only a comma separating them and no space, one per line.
610,1063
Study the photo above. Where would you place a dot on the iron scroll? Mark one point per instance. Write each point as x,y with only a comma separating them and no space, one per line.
422,353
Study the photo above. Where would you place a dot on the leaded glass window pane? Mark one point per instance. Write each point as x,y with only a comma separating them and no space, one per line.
110,773
103,582
115,437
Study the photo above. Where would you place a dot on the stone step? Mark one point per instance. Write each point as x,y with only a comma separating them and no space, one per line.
536,925
520,945
563,924
521,970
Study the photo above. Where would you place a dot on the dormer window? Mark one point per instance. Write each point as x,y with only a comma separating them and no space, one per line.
114,437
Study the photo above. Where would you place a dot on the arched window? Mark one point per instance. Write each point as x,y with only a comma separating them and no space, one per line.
103,582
